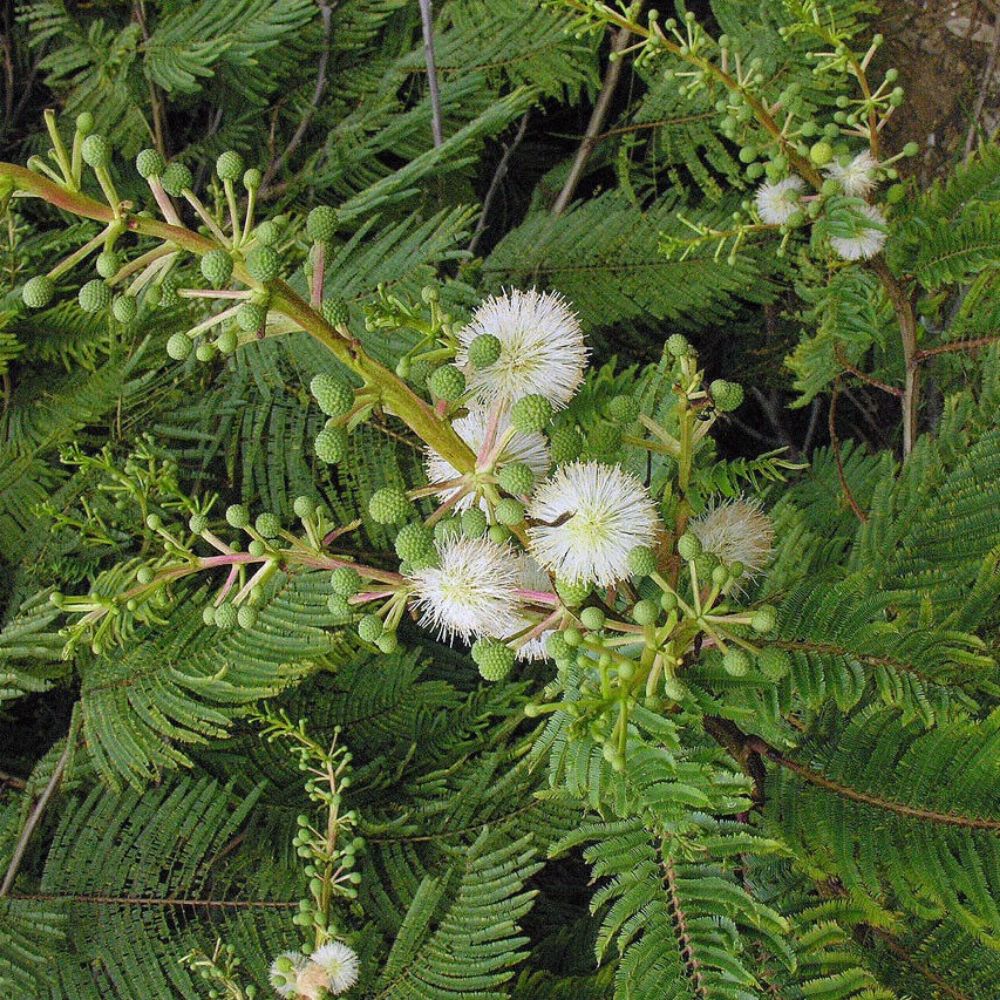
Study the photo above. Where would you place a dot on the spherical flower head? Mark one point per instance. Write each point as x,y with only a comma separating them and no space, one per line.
866,243
531,449
340,965
284,972
736,531
857,178
592,515
777,203
542,349
471,592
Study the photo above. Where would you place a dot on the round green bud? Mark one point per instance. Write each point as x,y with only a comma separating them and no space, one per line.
321,224
572,637
573,593
821,153
268,525
339,606
414,541
107,263
668,600
728,396
516,478
735,662
227,341
225,617
179,346
370,628
446,529
336,312
474,523
911,149
565,444
217,267
247,616
145,575
895,194
85,123
556,646
387,642
252,179
773,663
256,548
229,165
509,511
346,581
237,515
642,561
149,163
531,414
736,569
125,308
38,291
677,345
205,352
331,444
333,395
167,290
674,688
764,619
495,659
208,614
592,618
389,505
755,171
154,522
96,151
304,507
748,154
176,179
264,264
499,534
447,383
267,234
198,523
250,316
720,575
645,612
624,409
484,350
689,546
94,296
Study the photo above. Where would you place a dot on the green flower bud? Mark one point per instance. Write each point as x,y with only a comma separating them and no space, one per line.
217,267
125,308
565,444
96,151
531,414
735,662
246,616
179,346
764,619
339,606
573,594
728,396
495,659
267,234
321,224
304,507
226,617
149,163
509,511
645,612
205,352
336,312
689,546
370,628
227,341
414,541
484,350
250,316
264,264
38,291
773,663
389,505
331,445
821,153
85,123
208,614
346,581
592,618
499,534
252,179
107,263
237,515
176,179
624,409
145,575
516,478
677,345
95,296
387,643
198,523
447,383
229,165
474,523
334,396
268,525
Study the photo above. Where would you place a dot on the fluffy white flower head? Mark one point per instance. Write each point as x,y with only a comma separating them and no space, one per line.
285,970
593,515
868,242
857,178
470,593
542,349
338,964
532,449
778,202
736,531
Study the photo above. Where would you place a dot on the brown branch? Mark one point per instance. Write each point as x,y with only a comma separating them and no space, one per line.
957,345
897,948
498,176
686,948
236,904
864,376
318,91
835,442
597,116
9,779
427,24
889,805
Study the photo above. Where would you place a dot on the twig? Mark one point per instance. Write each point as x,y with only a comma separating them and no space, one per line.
984,88
864,376
957,345
427,22
36,814
318,90
597,116
813,424
499,174
9,779
845,488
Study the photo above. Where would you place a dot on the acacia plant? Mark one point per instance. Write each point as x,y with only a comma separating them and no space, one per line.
404,647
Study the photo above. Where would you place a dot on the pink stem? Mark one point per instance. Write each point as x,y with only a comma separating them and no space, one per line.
251,583
228,585
491,432
163,200
538,597
445,507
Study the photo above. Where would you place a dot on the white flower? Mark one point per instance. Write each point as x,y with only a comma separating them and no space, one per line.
868,241
532,449
776,203
531,576
284,972
857,178
339,963
541,348
736,531
471,592
592,516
